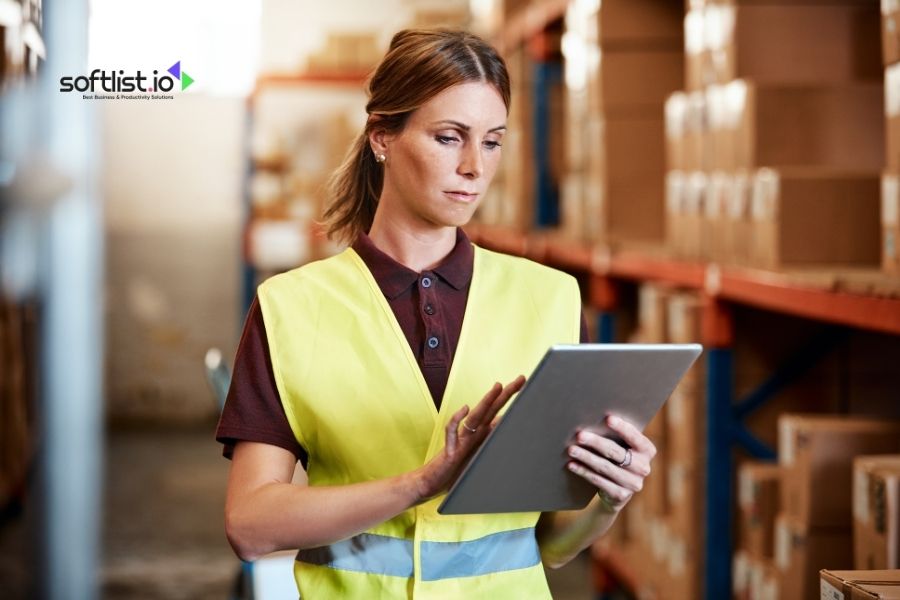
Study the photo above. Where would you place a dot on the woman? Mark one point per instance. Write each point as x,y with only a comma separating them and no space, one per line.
345,363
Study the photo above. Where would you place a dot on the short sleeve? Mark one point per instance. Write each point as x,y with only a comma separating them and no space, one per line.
253,411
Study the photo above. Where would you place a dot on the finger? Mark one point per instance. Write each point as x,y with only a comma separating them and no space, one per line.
632,435
476,416
508,392
452,431
616,494
605,447
602,466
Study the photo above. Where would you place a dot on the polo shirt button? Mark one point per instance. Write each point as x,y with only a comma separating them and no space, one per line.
426,282
429,309
433,342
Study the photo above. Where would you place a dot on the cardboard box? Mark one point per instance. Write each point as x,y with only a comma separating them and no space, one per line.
779,126
685,326
698,71
793,43
720,137
738,223
685,496
740,575
816,453
890,36
890,223
676,109
801,552
758,496
683,568
695,192
712,238
636,82
859,585
764,580
645,22
876,512
892,116
697,153
809,217
676,182
571,205
628,184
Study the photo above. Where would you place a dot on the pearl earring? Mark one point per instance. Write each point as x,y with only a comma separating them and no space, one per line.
380,158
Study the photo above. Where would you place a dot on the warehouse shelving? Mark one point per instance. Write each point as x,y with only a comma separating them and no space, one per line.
266,81
801,295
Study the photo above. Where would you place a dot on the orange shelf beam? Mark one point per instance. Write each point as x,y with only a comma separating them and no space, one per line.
775,292
762,289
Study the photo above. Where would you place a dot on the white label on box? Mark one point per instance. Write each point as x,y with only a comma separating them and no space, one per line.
861,496
693,32
745,489
735,102
676,114
769,590
740,573
829,592
674,192
782,545
890,200
765,193
786,442
892,90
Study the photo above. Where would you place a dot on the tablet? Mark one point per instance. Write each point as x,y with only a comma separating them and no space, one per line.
521,466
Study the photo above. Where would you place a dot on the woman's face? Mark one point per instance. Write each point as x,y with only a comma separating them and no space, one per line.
440,166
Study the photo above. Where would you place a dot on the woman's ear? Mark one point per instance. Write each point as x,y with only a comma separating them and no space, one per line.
380,141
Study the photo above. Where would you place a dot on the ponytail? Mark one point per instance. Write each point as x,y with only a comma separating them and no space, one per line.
354,189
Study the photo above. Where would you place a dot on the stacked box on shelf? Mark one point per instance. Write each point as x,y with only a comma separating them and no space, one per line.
685,417
790,85
890,197
755,575
664,521
860,585
876,512
512,196
814,527
622,57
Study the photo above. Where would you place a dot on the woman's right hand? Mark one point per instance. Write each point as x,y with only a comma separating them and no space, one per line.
464,434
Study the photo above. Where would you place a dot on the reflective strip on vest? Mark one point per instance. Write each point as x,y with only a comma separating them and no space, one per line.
504,551
364,553
378,554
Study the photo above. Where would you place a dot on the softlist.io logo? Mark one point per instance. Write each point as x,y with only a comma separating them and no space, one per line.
115,85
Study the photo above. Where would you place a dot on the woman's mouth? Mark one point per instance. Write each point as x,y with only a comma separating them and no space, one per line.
461,196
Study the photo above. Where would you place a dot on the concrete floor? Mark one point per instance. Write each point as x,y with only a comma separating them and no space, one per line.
163,535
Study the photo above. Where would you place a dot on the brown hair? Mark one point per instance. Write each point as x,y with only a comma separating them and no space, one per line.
418,65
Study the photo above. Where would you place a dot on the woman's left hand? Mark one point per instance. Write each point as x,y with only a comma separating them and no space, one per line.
617,473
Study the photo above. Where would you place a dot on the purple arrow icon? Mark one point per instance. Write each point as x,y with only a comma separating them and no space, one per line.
176,70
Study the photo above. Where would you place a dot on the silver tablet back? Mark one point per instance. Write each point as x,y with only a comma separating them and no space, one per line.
521,465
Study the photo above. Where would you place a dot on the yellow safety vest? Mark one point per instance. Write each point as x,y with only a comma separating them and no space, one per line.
357,402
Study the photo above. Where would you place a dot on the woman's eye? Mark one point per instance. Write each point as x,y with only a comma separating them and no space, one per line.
446,139
491,145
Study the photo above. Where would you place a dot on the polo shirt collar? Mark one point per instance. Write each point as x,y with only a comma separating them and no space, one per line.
395,278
